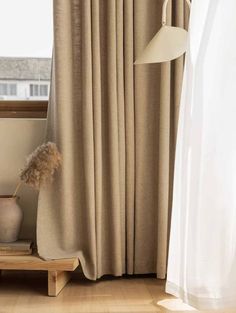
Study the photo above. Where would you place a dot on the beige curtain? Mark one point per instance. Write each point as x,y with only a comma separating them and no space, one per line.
115,125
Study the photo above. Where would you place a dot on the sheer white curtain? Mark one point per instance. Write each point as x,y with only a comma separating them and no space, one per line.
202,253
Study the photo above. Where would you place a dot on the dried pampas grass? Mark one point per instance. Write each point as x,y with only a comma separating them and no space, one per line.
40,166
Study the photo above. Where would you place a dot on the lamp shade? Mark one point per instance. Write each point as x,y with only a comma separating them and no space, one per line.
168,44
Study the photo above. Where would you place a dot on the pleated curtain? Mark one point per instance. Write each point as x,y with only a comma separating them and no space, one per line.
115,125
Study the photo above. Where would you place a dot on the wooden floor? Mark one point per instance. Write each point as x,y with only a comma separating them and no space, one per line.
25,292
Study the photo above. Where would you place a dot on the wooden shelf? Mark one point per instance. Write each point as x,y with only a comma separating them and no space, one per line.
58,270
34,262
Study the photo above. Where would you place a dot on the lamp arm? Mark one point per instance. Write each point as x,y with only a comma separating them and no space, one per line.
164,10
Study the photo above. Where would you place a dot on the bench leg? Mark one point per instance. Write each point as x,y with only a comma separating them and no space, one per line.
57,281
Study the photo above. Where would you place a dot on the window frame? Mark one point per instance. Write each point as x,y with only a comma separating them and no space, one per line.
8,86
23,109
35,90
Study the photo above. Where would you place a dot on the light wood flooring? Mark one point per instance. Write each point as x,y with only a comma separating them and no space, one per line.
26,292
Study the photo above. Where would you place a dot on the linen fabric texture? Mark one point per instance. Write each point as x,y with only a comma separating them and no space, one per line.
115,127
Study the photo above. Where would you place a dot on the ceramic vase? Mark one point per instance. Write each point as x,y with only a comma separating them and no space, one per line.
11,217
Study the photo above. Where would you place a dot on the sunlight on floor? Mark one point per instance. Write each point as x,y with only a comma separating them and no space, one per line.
175,305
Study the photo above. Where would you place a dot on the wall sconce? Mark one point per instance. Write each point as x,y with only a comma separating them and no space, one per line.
168,44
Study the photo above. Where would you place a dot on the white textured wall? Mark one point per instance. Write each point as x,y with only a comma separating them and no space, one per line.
18,138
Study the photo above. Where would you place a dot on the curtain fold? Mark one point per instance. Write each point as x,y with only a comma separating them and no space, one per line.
115,126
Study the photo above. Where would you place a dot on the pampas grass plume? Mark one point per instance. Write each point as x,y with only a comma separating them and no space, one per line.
40,166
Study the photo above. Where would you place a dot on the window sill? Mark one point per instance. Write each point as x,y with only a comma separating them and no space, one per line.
23,109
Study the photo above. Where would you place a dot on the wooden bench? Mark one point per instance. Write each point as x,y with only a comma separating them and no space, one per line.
58,270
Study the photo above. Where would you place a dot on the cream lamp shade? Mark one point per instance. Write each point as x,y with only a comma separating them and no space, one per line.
168,44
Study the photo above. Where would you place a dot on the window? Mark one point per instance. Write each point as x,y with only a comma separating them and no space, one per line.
8,89
3,89
13,89
25,56
43,90
38,90
34,90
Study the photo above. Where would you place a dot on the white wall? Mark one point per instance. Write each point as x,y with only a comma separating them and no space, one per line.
18,138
